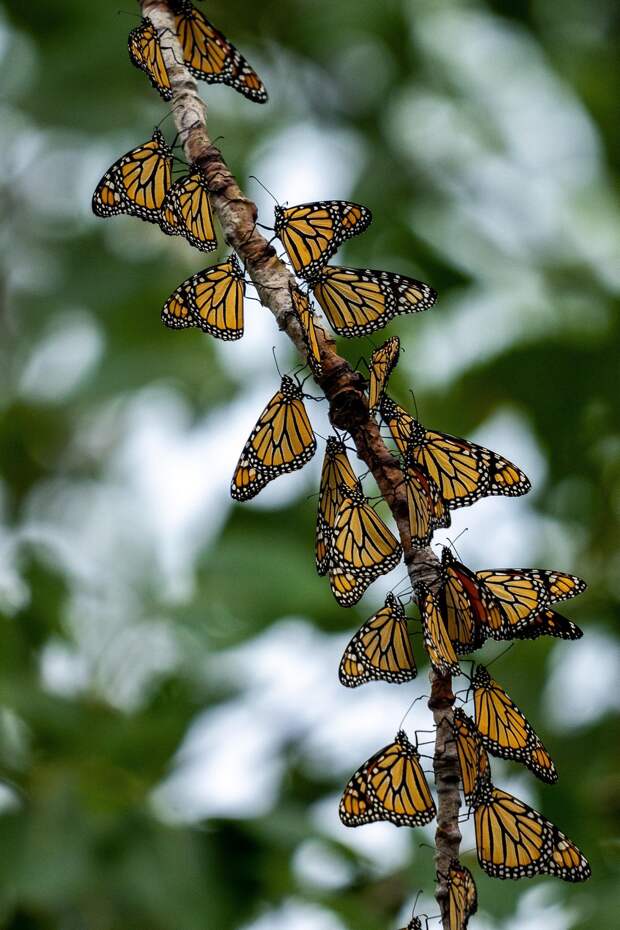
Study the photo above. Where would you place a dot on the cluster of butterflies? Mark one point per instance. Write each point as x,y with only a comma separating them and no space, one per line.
354,546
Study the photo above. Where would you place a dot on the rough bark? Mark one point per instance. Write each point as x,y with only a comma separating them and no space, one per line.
343,387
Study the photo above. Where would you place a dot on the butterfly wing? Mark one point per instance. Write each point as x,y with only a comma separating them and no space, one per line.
566,861
473,760
336,472
425,506
512,839
549,623
397,785
175,312
436,641
312,232
381,650
186,211
303,311
514,596
461,605
463,471
215,298
360,301
504,729
137,183
210,57
382,363
462,895
282,441
146,54
361,543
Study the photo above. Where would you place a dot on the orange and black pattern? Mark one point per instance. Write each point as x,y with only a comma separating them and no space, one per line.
303,312
361,547
211,300
210,57
390,786
505,731
462,895
513,597
145,53
312,232
137,183
514,841
282,441
463,471
473,760
335,473
436,640
359,301
383,361
380,650
186,211
426,508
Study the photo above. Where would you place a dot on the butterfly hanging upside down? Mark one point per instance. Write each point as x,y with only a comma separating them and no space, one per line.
391,786
210,57
211,300
137,183
282,441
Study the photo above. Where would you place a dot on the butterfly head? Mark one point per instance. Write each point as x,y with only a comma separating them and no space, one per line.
334,446
394,604
235,267
403,741
481,678
290,388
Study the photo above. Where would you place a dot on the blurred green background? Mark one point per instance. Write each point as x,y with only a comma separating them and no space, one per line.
173,737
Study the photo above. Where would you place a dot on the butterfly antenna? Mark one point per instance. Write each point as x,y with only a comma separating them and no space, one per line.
273,352
127,13
415,404
411,706
254,178
502,653
415,903
454,541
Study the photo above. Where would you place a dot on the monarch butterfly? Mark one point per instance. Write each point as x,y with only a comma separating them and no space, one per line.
549,623
473,760
463,471
391,786
301,306
514,596
514,841
505,731
358,301
361,546
186,211
462,896
436,641
426,508
210,57
383,361
211,299
461,605
312,232
145,53
281,441
465,607
380,650
336,472
137,183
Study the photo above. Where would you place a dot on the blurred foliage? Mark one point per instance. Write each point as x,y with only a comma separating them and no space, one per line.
107,653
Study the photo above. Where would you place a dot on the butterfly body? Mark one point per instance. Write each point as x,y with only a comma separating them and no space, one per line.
436,640
462,895
335,473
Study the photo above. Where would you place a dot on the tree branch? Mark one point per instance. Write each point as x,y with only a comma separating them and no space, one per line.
343,387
